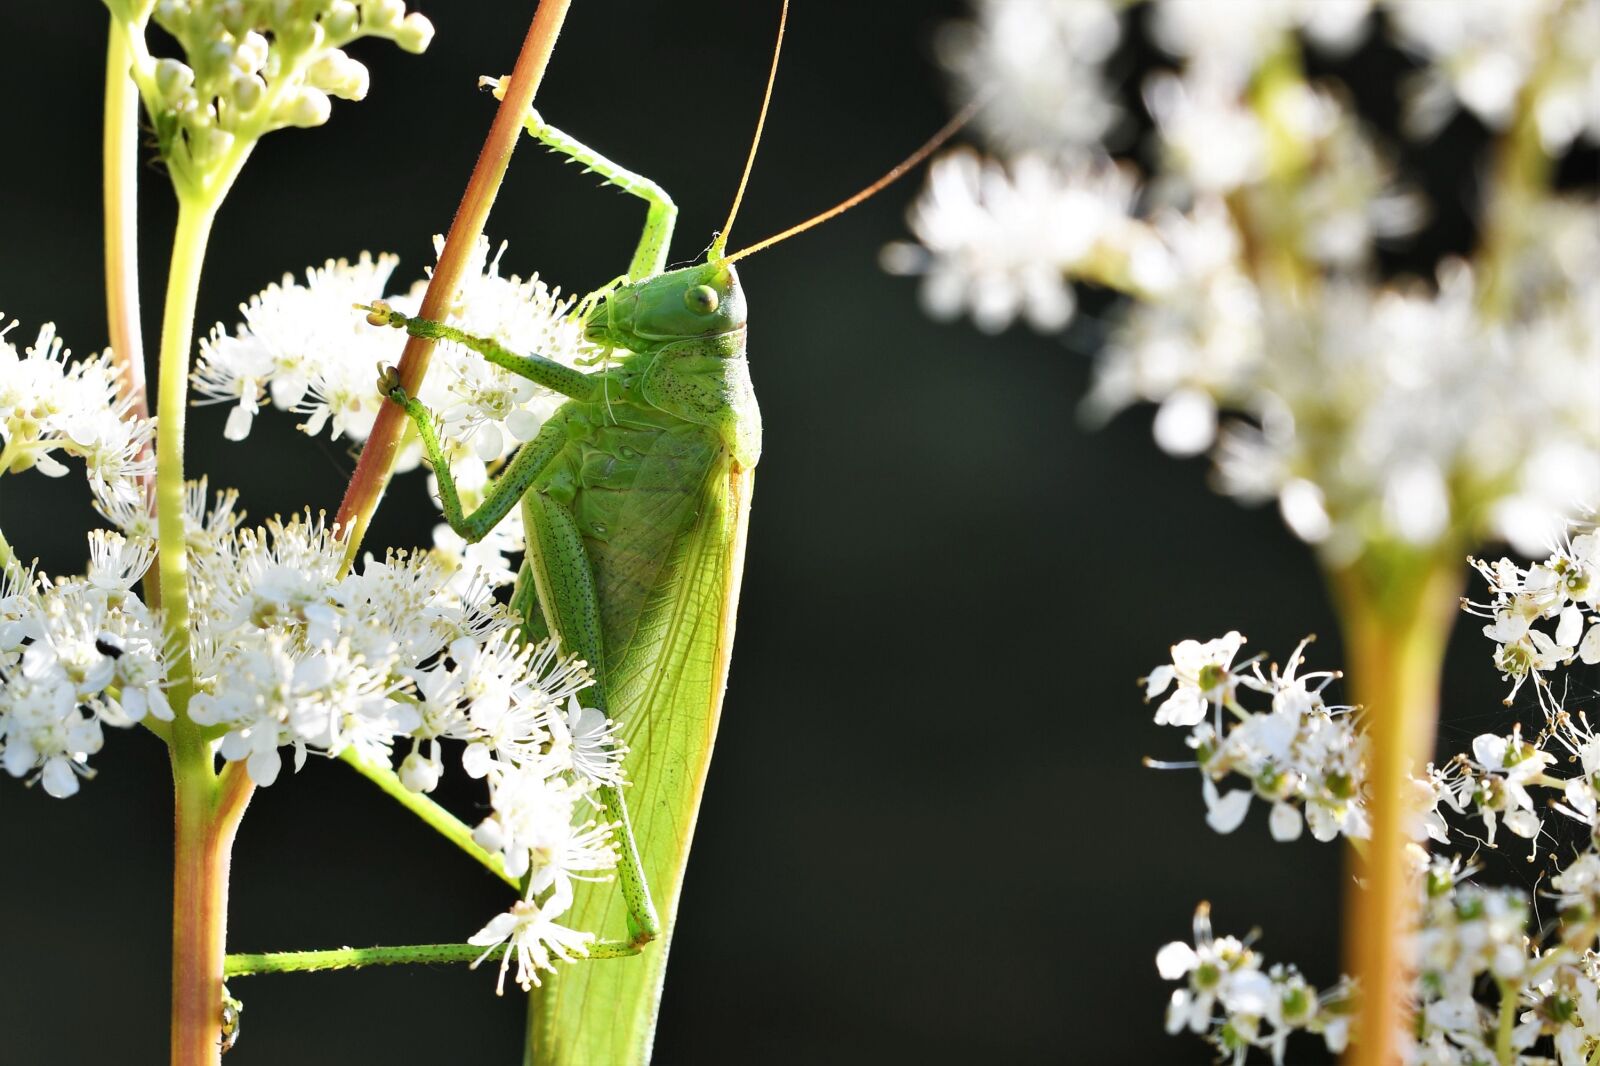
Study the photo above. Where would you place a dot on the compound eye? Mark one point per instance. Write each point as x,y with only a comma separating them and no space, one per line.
701,298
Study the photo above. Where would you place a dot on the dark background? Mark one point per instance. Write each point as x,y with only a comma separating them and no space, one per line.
927,836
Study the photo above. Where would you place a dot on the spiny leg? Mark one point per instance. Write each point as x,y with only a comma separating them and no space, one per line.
566,590
504,491
661,215
563,584
536,368
525,603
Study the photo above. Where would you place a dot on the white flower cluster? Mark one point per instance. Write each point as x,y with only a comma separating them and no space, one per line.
1304,754
1299,754
1259,1007
1484,54
1469,936
1038,64
1000,241
1386,415
76,655
1493,781
292,655
305,349
253,66
1566,588
52,406
1373,412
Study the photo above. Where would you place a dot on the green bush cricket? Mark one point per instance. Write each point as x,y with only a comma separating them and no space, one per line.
635,499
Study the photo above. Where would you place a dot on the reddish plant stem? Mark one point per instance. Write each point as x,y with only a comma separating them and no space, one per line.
372,471
120,168
206,816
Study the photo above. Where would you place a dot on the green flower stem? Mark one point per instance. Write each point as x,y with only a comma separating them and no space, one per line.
1504,1053
207,807
349,958
177,332
1397,608
404,954
1271,247
8,556
1519,176
452,828
8,455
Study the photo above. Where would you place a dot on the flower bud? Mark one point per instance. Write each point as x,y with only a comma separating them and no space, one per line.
173,80
231,13
217,54
415,34
172,13
379,16
250,55
419,774
341,20
307,107
209,144
336,73
246,92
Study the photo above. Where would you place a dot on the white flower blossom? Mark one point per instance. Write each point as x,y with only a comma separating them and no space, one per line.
76,655
1257,1007
529,932
1205,678
53,407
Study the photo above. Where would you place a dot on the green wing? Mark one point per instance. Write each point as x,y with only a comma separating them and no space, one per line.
666,669
643,507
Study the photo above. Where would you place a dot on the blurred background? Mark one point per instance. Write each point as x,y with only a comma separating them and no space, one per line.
927,835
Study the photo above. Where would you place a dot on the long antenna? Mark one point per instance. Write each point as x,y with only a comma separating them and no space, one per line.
720,244
949,129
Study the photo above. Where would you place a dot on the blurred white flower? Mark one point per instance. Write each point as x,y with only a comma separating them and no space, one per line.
1486,53
1003,242
1377,412
1227,46
1037,63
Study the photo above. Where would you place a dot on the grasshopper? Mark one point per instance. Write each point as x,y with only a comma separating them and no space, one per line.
635,499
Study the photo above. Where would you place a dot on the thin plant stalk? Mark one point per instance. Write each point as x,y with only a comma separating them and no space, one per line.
1397,621
376,464
396,955
195,215
120,171
8,556
448,825
206,807
1396,618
